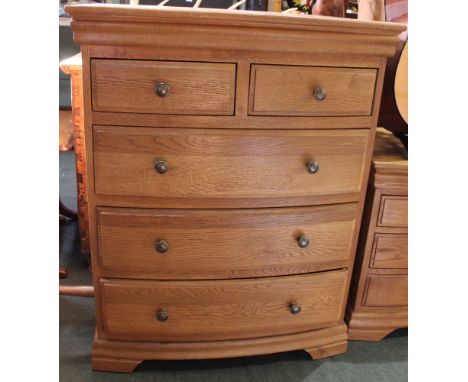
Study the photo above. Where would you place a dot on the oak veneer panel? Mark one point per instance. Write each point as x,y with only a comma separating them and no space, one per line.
288,90
317,343
227,164
209,244
390,251
393,211
386,290
217,31
221,310
194,88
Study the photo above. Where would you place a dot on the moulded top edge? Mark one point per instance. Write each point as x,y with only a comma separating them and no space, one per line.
235,18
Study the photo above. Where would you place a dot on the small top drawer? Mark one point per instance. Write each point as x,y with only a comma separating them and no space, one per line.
393,211
162,87
311,91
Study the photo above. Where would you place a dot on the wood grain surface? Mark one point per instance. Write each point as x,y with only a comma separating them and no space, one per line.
131,353
393,211
377,304
222,163
219,31
221,310
386,290
201,243
288,90
390,251
194,88
225,164
375,323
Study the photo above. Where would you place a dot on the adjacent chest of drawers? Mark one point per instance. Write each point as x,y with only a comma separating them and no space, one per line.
227,158
378,302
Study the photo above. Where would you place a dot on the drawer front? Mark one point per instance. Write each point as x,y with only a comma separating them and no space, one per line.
311,91
386,290
210,244
228,164
393,211
220,310
191,88
390,251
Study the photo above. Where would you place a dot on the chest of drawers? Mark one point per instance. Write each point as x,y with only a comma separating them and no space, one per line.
227,158
378,302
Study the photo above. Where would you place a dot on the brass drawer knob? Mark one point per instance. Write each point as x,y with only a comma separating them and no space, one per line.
161,167
162,315
161,90
302,241
161,246
319,93
295,308
312,166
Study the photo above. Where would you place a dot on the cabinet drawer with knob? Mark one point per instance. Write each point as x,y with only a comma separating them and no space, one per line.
213,244
228,168
163,87
311,91
221,309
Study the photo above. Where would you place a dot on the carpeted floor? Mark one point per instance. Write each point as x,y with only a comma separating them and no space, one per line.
363,362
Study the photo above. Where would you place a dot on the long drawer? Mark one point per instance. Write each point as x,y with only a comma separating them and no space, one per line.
220,310
311,91
219,165
210,244
163,87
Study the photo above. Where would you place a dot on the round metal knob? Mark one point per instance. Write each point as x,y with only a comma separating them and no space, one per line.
161,89
161,246
319,93
302,242
162,315
295,308
161,167
312,166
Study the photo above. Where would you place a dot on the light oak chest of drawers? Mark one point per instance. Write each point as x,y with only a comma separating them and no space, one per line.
378,302
228,155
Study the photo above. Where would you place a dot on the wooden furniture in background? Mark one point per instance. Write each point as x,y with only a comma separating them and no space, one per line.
73,66
72,136
378,302
65,130
191,256
65,144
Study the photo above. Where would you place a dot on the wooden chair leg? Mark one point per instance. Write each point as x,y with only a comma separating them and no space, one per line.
78,291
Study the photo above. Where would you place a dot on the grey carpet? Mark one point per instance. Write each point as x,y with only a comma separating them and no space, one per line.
364,361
